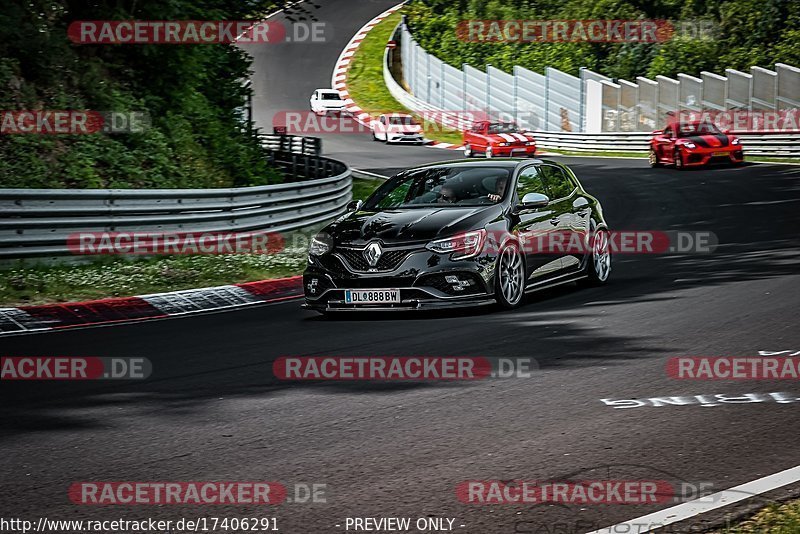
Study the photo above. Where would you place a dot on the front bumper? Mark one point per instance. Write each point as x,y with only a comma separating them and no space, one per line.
514,151
404,138
698,158
325,110
426,280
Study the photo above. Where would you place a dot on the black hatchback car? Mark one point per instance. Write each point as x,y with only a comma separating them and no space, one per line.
461,233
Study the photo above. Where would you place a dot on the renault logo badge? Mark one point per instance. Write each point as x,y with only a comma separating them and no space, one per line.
373,253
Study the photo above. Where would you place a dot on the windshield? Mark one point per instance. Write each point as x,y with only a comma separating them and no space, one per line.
701,128
330,96
402,121
502,128
441,187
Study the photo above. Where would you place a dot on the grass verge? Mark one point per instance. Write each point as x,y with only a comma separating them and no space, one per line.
775,519
365,81
122,277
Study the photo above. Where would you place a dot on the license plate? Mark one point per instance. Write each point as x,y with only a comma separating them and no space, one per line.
371,296
720,154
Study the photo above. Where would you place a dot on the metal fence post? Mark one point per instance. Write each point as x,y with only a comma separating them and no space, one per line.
464,86
547,98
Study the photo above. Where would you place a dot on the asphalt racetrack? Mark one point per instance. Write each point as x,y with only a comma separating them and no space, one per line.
213,410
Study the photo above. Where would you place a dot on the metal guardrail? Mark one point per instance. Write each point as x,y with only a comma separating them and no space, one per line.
295,144
37,222
786,145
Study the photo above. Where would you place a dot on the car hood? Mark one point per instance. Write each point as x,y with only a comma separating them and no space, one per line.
709,140
397,128
510,138
410,225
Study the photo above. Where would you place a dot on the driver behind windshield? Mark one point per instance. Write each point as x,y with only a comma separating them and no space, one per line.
500,186
447,194
502,128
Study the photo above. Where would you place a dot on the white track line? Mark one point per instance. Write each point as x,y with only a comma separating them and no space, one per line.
684,511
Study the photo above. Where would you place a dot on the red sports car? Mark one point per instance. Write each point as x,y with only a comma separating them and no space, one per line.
498,139
693,144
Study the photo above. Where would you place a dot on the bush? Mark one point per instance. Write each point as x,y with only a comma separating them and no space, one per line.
193,93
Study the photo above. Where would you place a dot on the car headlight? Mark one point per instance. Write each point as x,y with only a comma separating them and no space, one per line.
462,245
531,142
320,244
502,144
690,145
735,141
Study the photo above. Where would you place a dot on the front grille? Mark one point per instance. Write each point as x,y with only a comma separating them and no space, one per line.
374,282
720,159
389,260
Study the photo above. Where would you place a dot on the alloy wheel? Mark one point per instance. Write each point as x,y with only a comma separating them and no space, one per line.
601,256
511,276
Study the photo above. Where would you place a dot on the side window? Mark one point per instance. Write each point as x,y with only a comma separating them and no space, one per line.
557,183
668,132
530,181
397,196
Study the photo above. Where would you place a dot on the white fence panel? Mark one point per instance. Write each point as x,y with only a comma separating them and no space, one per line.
563,101
763,88
475,89
738,94
690,93
713,91
787,87
531,98
501,93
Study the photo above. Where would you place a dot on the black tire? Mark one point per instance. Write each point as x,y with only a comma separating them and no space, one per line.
375,137
678,160
652,158
596,275
507,297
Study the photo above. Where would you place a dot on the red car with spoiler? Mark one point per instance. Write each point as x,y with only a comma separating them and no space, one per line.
693,144
496,138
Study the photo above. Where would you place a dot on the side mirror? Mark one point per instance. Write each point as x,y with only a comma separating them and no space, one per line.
534,200
354,205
